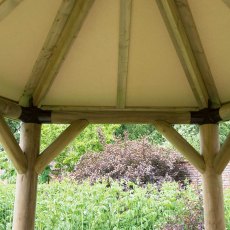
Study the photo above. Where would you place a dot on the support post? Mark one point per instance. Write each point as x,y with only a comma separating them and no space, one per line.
26,185
212,182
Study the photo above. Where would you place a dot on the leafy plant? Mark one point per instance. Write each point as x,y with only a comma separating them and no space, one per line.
136,161
71,206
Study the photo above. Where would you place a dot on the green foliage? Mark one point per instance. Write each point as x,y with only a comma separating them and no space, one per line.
8,173
87,141
6,206
224,131
139,131
190,133
227,207
70,206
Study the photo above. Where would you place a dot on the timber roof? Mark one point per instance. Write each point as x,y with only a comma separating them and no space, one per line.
110,55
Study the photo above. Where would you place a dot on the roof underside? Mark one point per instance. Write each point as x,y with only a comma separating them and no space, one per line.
115,55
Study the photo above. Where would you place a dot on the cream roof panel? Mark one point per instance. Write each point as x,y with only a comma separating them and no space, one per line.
23,32
88,76
156,77
212,19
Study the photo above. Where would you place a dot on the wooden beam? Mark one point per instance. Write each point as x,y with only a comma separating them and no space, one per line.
212,182
198,51
124,39
59,144
26,185
119,117
223,157
182,45
7,6
12,148
181,144
66,27
9,109
225,112
113,108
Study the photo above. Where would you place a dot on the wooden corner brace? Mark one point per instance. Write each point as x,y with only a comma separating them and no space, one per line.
223,157
12,148
181,145
59,144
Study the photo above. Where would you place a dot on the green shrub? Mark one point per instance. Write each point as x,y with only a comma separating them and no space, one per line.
70,206
87,141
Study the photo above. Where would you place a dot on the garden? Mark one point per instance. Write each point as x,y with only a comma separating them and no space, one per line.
113,177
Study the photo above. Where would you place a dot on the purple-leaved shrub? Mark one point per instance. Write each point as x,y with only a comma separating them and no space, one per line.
136,161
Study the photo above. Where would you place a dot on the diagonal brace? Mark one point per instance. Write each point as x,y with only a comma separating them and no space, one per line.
181,144
12,148
59,144
223,157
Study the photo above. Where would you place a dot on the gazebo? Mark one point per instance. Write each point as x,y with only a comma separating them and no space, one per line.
76,62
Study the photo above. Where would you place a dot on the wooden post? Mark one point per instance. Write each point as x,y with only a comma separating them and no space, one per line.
212,182
26,186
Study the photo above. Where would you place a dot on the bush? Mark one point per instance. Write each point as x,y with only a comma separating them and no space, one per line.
135,161
88,140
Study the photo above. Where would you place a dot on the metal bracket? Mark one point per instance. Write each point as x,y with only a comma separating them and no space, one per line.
35,115
205,116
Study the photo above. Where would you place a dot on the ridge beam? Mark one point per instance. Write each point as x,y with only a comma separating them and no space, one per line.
173,22
181,145
59,144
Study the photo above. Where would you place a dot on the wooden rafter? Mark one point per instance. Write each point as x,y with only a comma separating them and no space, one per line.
66,26
124,40
181,144
12,148
198,51
59,144
175,26
223,157
7,6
